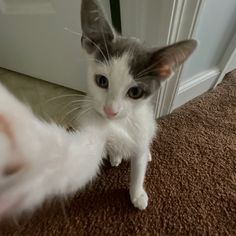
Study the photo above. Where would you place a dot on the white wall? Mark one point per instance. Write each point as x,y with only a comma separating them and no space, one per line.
215,29
216,26
146,19
106,6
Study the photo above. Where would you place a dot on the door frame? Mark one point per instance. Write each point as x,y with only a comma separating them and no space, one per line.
227,59
184,19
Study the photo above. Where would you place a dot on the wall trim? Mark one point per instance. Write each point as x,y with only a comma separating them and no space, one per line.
196,86
228,61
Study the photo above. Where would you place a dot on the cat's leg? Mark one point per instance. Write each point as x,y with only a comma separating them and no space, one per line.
149,156
115,160
138,195
114,157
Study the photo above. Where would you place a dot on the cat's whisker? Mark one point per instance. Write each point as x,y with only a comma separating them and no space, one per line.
64,96
145,74
80,100
68,113
83,106
145,71
79,103
131,123
151,68
71,106
63,209
78,117
91,41
105,42
65,107
81,114
96,60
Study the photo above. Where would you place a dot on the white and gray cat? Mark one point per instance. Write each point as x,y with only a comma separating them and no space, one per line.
123,78
40,160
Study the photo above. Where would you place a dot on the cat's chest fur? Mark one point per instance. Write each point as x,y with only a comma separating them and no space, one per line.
126,136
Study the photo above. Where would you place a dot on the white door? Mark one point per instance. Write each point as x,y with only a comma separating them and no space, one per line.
33,40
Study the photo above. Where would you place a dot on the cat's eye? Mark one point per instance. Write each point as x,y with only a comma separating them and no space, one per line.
135,92
101,81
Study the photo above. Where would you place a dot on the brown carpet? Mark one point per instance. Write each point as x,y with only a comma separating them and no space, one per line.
191,181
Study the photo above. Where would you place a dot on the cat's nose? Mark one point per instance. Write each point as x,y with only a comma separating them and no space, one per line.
109,112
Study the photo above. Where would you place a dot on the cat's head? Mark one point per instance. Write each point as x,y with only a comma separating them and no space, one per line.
123,72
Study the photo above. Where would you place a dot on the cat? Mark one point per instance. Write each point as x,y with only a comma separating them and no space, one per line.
123,78
39,160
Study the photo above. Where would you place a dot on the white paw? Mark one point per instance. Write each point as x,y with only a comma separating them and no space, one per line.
140,200
115,160
149,156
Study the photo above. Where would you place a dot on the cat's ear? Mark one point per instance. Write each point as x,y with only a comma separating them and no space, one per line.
96,29
165,61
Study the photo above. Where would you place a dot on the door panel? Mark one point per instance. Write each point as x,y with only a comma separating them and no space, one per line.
33,40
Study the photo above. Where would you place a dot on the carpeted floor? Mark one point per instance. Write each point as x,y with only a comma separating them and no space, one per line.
191,181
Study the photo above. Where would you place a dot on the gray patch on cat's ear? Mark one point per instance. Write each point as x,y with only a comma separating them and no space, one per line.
165,61
96,29
150,67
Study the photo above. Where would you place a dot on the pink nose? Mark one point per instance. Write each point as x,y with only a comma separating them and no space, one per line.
109,112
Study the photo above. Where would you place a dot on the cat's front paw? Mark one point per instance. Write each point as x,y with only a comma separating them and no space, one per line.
140,199
115,160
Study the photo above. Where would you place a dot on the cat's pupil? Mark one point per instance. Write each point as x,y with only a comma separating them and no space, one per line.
135,92
101,81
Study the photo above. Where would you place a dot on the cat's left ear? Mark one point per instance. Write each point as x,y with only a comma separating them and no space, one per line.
165,61
96,29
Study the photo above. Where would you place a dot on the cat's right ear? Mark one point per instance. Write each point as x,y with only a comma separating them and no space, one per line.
165,61
95,27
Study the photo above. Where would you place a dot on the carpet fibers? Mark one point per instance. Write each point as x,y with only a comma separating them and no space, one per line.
191,181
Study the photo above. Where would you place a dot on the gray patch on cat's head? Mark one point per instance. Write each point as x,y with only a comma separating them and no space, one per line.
139,60
147,66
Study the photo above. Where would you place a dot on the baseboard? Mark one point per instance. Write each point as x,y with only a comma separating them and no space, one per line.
196,86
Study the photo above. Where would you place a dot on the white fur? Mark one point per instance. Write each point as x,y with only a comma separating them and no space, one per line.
58,163
132,130
54,161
